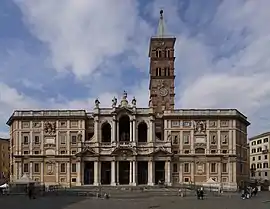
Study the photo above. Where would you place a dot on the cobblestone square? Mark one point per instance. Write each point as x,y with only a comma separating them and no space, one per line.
71,202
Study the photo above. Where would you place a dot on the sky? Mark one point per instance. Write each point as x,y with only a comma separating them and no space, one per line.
64,54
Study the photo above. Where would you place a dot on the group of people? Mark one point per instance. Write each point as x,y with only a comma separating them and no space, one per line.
200,193
249,192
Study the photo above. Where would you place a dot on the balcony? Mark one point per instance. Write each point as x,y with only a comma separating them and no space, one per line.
265,151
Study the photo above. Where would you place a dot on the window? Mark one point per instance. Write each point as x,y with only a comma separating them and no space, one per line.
253,158
25,167
259,141
158,53
213,151
63,124
259,149
224,138
259,157
265,140
224,167
73,180
253,143
25,140
186,151
73,139
167,52
186,139
62,167
62,152
158,71
265,165
175,152
213,139
36,152
74,123
186,179
265,173
36,167
253,150
224,151
175,139
265,157
73,152
186,168
62,139
36,139
73,168
175,169
213,167
25,152
259,165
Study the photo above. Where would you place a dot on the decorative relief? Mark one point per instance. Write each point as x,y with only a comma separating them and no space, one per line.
50,165
36,124
224,137
213,138
200,168
200,127
212,123
50,128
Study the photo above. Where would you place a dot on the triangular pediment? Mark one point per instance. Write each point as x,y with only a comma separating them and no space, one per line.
87,152
123,151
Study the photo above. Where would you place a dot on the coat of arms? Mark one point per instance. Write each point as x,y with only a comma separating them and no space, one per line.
50,127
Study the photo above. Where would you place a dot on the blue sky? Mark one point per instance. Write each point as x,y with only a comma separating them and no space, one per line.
65,53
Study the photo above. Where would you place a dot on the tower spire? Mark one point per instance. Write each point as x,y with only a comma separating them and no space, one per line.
161,25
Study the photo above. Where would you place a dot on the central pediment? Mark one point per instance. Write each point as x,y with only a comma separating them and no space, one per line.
123,110
87,152
161,152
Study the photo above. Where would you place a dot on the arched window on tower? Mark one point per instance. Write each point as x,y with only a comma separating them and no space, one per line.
124,128
167,52
158,71
158,53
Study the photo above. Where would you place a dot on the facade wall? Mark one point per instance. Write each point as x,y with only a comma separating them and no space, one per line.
259,157
190,154
4,158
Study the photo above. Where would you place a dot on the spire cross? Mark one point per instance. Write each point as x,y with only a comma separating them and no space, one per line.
161,25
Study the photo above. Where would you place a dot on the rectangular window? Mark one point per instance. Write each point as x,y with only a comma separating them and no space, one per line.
186,168
25,167
73,168
265,140
25,140
37,140
36,167
186,138
62,167
213,167
62,139
73,139
175,169
224,167
186,179
36,152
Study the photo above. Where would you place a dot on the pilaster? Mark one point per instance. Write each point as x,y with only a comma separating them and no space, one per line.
130,173
134,172
96,173
113,183
113,130
150,173
42,172
134,130
56,172
31,170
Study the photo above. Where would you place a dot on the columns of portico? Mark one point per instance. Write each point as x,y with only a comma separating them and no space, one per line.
168,173
117,172
134,130
96,173
113,183
130,172
134,172
31,170
130,131
151,135
150,173
78,169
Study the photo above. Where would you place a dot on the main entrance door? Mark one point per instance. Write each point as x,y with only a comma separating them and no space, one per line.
159,171
142,172
105,172
89,172
124,172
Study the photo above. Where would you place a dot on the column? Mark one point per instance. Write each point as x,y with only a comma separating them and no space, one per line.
151,134
31,170
192,141
168,173
130,172
134,172
166,130
113,173
56,172
180,172
219,141
42,172
31,142
78,169
96,129
134,130
117,131
96,173
68,174
117,172
113,130
130,131
207,142
192,172
19,170
150,173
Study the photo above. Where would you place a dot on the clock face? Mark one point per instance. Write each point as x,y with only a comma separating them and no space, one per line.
163,92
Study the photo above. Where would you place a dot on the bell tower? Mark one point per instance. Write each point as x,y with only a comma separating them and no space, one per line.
161,53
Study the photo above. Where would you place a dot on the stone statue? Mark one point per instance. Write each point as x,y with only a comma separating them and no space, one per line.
134,101
150,103
114,102
125,95
79,137
200,127
50,127
97,103
124,102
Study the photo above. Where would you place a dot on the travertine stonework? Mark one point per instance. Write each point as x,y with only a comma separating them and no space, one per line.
126,144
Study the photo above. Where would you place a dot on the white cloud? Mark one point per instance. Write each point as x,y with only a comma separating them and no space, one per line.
82,34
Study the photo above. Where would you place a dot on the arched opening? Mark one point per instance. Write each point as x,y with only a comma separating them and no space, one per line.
124,128
106,132
167,52
199,151
158,53
142,132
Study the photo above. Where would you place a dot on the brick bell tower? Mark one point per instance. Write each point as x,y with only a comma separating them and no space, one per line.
161,53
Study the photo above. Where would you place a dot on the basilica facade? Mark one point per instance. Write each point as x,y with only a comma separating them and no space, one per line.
128,145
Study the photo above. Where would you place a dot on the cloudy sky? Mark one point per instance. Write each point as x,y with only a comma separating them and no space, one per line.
65,53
